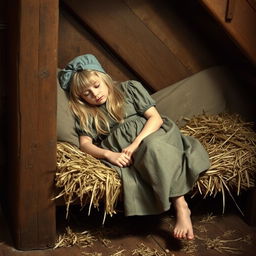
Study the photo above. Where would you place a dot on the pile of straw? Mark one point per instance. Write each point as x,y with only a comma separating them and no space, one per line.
82,177
229,141
231,145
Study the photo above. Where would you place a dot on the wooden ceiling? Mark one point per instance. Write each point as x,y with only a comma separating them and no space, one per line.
157,42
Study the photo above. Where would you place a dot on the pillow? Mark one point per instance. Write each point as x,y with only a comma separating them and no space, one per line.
65,119
201,92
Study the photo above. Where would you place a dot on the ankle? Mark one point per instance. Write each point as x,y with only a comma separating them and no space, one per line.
180,202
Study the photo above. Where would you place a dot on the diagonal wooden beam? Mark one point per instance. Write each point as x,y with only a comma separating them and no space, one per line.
116,25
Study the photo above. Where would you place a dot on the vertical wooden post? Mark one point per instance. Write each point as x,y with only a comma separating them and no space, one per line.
33,33
250,211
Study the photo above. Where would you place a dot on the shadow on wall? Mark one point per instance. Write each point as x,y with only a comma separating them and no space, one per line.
210,91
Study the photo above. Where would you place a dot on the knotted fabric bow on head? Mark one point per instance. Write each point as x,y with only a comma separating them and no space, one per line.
80,63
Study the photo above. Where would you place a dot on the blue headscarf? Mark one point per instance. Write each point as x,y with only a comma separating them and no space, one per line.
83,62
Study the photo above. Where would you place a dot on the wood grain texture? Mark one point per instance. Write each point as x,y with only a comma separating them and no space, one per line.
74,40
175,32
119,28
33,110
242,28
251,207
155,232
3,81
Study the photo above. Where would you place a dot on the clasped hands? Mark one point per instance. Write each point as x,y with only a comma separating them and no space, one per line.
124,158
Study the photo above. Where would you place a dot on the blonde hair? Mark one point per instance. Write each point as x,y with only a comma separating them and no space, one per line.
84,111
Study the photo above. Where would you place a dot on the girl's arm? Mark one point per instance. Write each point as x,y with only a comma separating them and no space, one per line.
154,122
120,159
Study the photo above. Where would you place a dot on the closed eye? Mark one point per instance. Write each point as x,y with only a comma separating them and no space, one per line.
86,93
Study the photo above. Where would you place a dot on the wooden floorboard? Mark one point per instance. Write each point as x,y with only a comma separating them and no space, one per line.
216,234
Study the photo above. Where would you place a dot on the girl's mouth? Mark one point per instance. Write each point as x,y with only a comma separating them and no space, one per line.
99,99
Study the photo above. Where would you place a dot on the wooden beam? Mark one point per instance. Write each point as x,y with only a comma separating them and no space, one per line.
250,210
242,29
116,25
164,19
32,125
74,41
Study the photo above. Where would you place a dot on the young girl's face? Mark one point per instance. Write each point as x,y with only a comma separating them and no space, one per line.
96,93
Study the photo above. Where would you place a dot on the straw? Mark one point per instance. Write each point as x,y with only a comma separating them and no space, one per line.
143,250
228,139
84,179
70,238
230,143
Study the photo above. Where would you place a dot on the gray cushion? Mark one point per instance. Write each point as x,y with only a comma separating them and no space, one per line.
199,93
65,119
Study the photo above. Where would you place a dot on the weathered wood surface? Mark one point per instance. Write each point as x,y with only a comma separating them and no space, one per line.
126,35
172,29
159,43
242,27
127,234
74,41
32,125
251,207
3,79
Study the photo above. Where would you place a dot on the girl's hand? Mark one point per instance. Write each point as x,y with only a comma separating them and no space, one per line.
131,149
118,159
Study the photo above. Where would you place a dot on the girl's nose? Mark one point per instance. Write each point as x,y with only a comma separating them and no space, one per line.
94,93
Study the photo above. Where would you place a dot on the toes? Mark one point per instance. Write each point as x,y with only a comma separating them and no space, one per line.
190,236
179,234
176,234
183,234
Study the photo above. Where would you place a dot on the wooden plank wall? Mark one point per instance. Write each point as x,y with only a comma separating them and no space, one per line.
157,42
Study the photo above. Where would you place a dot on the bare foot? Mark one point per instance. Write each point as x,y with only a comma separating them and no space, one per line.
183,228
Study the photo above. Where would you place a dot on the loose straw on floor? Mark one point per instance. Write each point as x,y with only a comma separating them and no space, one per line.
70,238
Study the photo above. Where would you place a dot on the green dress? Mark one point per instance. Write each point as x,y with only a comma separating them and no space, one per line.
166,164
